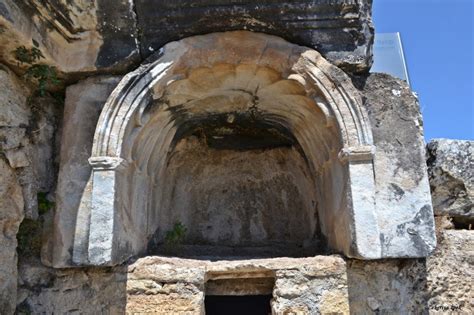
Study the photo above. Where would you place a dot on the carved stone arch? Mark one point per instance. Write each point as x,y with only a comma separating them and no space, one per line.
288,87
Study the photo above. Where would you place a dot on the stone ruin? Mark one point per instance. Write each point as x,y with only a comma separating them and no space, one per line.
219,155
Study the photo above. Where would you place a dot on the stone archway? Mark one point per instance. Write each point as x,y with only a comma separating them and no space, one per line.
237,84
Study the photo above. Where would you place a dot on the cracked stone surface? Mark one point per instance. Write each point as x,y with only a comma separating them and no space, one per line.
400,166
450,272
451,172
74,36
164,285
84,101
14,121
340,30
79,36
437,285
11,214
27,129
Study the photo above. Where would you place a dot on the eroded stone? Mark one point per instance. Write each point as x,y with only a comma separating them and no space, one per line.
451,171
400,167
11,215
450,271
103,35
84,101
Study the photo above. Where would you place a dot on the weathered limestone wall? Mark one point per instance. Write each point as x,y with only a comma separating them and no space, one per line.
434,285
169,285
451,171
27,145
74,36
79,36
440,284
437,285
11,214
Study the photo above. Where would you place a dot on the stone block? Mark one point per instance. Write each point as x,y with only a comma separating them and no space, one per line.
340,30
84,102
403,200
17,158
451,174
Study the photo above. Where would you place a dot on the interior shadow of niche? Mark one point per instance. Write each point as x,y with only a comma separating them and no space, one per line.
389,286
236,189
88,290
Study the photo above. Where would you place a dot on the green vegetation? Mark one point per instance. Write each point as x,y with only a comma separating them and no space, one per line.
175,237
44,75
44,205
41,74
29,56
29,235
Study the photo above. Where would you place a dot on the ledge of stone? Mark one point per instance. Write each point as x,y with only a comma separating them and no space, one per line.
80,37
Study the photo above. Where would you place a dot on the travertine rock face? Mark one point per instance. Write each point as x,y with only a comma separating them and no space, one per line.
14,120
11,214
27,127
340,30
75,36
44,290
450,271
387,287
451,171
440,284
85,36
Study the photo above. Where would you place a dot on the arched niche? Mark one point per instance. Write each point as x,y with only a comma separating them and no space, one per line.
215,98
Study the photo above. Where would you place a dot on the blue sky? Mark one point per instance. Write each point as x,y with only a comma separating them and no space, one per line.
438,42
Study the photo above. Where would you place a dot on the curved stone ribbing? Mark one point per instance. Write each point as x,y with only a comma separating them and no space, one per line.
212,80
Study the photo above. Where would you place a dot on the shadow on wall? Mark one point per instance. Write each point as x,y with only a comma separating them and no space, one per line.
387,286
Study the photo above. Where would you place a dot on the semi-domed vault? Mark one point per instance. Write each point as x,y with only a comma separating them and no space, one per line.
257,146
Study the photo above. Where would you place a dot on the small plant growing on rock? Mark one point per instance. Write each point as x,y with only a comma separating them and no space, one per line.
42,74
44,205
29,56
175,237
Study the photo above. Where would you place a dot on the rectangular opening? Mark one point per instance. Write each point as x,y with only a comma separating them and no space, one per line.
250,296
238,305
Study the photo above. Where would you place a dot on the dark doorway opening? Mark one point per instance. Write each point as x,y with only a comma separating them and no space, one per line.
238,305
